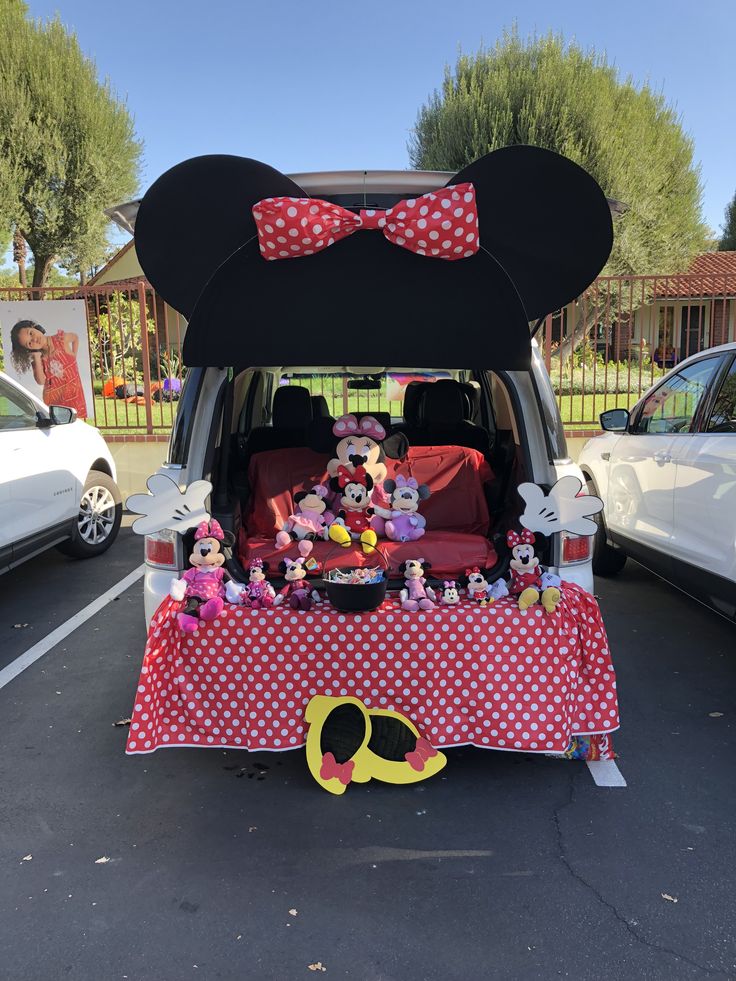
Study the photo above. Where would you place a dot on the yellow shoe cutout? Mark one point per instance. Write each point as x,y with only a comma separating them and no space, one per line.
369,539
550,598
348,744
340,535
339,730
528,597
397,753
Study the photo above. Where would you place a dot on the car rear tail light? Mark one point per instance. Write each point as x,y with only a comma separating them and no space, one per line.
161,550
575,548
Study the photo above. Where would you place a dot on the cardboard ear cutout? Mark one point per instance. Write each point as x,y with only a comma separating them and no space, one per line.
545,233
307,301
545,219
195,216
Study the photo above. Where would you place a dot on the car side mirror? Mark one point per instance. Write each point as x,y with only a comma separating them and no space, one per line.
62,415
615,420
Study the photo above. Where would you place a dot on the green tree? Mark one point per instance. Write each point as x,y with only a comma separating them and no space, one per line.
66,141
553,94
728,239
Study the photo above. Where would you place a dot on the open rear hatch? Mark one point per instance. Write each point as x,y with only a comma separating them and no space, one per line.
545,232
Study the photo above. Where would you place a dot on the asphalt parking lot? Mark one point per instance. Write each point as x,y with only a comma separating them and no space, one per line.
227,865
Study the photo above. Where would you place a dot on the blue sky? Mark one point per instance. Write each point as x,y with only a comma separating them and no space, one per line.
327,85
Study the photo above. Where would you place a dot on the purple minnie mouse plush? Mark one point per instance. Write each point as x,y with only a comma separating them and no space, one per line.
405,523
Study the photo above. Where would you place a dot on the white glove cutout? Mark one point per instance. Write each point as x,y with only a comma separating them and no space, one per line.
167,507
561,510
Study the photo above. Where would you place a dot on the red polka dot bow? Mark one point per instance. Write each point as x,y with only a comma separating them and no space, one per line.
513,538
357,476
442,224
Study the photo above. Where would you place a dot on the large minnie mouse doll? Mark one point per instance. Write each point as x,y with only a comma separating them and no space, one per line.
364,443
205,586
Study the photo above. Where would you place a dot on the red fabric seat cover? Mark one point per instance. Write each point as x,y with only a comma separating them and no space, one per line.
449,553
455,475
456,512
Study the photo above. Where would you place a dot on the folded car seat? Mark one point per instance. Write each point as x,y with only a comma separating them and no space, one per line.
320,408
290,420
438,416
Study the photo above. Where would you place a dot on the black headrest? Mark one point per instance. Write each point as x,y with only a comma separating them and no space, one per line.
472,393
292,407
442,405
412,400
383,417
320,409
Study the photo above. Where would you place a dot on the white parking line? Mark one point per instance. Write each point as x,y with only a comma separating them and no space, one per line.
606,773
56,636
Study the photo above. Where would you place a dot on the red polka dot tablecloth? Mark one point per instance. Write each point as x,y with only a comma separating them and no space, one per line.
491,677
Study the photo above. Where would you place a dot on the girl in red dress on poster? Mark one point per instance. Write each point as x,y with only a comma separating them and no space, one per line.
53,361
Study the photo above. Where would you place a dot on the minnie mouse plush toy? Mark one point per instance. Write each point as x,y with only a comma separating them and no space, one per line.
310,519
416,594
259,593
528,581
300,593
353,522
204,585
405,523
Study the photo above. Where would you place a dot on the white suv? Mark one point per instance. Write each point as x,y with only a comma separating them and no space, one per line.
57,483
667,473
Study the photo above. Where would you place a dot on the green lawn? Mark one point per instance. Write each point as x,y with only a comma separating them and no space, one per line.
577,411
582,411
118,416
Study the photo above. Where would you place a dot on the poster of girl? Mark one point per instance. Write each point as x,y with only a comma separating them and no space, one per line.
50,357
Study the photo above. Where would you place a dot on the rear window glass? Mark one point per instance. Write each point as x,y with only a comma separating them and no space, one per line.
364,393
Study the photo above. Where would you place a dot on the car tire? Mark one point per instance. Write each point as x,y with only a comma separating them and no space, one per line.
98,522
607,560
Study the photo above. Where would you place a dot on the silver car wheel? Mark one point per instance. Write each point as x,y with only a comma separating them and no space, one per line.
96,515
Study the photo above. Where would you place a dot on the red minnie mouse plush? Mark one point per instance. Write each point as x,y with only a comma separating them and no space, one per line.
529,582
353,522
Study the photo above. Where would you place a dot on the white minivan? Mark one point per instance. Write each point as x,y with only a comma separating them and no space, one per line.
57,481
667,473
276,350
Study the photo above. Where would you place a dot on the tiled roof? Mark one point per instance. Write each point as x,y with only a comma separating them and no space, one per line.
711,274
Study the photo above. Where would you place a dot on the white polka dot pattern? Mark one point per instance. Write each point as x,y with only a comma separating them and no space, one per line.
492,677
441,224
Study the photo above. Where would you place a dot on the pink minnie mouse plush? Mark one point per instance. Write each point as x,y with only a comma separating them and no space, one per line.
311,519
259,593
416,594
528,580
405,523
203,586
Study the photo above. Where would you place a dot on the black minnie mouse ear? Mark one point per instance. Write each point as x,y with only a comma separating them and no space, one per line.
195,216
545,219
334,302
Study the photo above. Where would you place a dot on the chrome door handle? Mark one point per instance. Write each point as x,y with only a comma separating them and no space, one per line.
661,456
